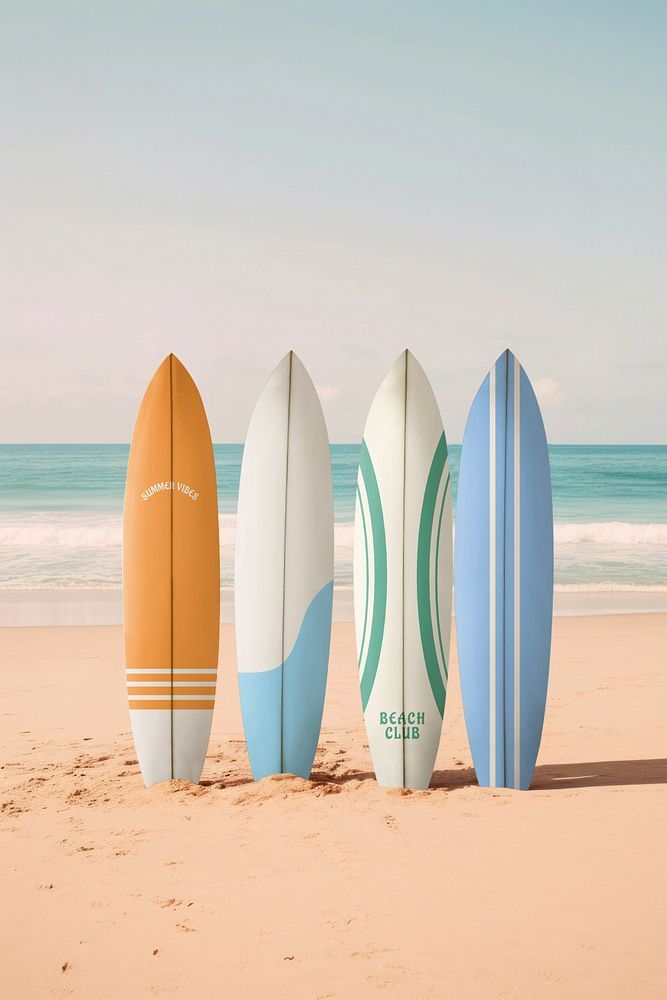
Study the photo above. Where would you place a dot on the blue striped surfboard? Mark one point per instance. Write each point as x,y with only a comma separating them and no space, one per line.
504,576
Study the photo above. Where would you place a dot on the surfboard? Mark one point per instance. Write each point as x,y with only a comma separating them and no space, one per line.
283,591
403,576
171,578
504,576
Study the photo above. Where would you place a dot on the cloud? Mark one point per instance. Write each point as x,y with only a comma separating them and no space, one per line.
327,392
9,397
549,393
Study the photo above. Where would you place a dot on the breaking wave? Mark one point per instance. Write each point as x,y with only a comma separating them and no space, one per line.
609,533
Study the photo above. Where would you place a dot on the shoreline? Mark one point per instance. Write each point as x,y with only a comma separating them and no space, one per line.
73,607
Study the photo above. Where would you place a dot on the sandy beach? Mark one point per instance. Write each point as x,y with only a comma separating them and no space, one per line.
333,887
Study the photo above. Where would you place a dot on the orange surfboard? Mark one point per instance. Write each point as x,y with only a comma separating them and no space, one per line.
171,578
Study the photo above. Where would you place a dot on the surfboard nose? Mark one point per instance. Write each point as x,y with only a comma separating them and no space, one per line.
291,361
164,373
401,361
291,372
405,363
171,360
503,361
178,369
282,372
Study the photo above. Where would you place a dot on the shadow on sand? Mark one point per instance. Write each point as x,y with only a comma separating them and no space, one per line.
588,774
547,777
597,773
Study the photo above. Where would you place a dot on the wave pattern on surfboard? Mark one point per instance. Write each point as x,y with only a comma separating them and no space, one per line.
284,574
504,576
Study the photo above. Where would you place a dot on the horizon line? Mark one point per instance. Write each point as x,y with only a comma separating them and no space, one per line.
357,443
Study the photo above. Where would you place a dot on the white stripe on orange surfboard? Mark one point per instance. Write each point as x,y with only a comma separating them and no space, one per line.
155,689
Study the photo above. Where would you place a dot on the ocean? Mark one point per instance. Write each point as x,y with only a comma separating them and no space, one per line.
61,522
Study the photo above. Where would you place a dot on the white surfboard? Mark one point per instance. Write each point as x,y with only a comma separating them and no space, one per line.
284,573
403,576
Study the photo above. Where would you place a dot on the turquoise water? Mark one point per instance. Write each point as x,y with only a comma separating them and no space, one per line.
61,514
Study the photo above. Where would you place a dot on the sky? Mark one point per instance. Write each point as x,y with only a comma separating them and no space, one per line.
345,178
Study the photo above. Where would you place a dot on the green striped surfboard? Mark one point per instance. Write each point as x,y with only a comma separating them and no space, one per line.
403,576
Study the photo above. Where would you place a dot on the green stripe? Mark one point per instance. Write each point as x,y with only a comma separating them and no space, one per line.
363,524
437,560
424,573
379,611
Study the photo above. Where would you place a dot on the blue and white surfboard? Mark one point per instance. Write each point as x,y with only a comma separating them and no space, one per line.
284,573
504,576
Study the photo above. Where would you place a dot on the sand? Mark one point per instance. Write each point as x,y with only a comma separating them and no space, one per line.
333,887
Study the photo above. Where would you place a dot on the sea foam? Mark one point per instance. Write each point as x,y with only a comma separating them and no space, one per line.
609,533
72,531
